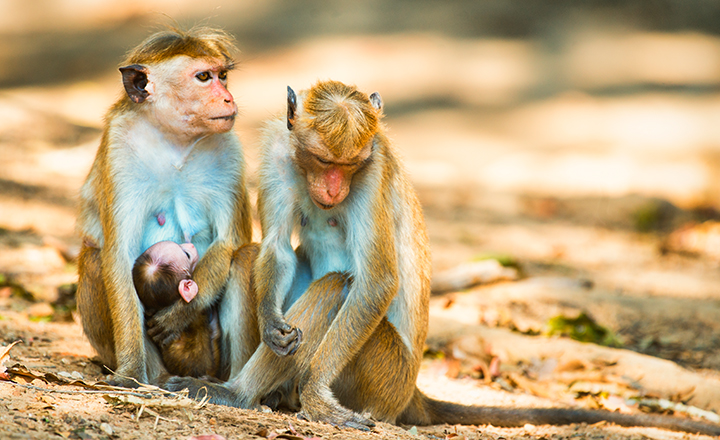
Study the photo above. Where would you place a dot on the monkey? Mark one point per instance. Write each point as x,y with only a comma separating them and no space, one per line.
162,275
343,316
169,167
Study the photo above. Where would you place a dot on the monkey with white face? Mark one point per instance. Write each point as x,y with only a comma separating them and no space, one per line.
169,167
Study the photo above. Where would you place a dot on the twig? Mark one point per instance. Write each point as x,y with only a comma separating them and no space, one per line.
48,390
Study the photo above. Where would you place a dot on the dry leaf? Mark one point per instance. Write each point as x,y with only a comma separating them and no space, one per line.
4,356
263,432
615,403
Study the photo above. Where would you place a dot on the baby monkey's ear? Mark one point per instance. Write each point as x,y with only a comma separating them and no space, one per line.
188,289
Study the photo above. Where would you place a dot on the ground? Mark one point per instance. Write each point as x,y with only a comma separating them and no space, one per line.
578,147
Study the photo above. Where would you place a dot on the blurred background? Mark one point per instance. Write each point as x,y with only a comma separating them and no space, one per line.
570,139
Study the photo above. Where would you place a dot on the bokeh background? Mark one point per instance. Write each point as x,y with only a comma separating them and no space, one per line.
577,142
598,113
573,139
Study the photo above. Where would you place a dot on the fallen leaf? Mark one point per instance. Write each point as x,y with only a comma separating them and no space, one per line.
4,356
263,432
615,403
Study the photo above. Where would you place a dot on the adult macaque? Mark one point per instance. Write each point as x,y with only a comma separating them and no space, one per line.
162,276
168,168
344,316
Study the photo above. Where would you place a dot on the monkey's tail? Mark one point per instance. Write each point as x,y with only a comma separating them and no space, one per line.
424,410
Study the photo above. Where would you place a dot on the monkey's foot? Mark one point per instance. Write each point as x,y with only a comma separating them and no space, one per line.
330,411
117,380
200,389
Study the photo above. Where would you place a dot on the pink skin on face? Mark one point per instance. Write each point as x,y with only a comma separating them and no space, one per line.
183,258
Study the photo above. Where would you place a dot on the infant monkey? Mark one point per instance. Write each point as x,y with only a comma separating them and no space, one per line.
162,275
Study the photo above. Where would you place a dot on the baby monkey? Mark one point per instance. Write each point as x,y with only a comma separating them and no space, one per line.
163,275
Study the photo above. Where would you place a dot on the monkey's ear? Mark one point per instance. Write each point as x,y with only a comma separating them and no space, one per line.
291,107
135,80
376,101
188,290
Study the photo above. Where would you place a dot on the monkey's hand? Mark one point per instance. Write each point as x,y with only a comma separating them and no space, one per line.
282,338
167,324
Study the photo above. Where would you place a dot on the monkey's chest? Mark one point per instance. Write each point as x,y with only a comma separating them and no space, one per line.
178,213
324,239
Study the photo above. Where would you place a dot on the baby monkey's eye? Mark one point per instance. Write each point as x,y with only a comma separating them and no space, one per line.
203,76
223,75
187,254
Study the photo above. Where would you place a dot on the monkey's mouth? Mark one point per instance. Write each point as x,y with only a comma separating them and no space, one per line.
224,118
321,205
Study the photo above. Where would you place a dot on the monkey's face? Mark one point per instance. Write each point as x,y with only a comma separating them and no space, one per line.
187,97
328,177
332,130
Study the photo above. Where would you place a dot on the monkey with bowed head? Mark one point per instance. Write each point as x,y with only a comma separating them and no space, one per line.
344,316
169,167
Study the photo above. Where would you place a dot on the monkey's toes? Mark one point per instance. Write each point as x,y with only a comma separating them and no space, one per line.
122,381
337,417
200,390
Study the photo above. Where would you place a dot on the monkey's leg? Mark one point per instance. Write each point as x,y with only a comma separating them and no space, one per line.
94,309
266,372
381,378
93,306
237,311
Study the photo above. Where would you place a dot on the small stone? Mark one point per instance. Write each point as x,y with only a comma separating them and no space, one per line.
106,428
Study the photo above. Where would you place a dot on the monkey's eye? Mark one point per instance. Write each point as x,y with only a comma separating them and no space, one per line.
223,75
322,161
187,254
203,76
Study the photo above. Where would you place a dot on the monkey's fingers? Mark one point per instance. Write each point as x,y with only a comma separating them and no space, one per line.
283,341
162,337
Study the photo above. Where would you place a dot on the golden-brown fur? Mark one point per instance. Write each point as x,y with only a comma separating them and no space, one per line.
344,316
167,151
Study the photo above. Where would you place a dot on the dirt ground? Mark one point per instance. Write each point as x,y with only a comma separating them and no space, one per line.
578,146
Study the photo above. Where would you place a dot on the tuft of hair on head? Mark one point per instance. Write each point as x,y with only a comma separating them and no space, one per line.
342,115
156,282
197,42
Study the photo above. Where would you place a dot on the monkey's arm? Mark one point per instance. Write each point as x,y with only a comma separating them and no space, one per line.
211,274
274,269
121,229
